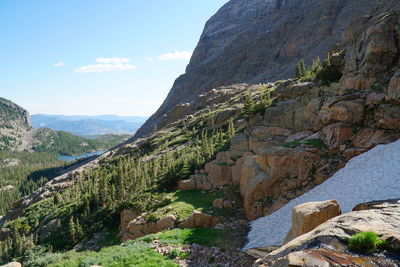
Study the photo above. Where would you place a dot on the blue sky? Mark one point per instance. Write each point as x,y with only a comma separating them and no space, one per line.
93,57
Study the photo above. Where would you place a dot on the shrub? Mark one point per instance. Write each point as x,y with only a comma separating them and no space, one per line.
325,72
317,143
293,144
365,242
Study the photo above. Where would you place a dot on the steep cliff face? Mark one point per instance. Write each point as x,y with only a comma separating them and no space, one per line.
14,125
13,116
256,41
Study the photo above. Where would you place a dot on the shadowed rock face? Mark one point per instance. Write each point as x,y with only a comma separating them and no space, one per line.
256,41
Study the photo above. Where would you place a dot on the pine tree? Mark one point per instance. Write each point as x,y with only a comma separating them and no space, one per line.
249,106
72,230
300,69
231,129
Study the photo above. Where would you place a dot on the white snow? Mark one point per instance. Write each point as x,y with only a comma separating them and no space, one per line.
374,175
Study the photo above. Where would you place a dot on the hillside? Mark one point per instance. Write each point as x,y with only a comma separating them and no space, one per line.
241,154
88,126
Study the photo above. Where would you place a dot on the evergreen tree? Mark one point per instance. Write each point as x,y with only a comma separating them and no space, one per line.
249,105
231,129
300,69
72,230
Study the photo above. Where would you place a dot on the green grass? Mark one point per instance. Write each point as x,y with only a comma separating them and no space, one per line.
222,238
183,203
293,144
126,255
317,143
137,252
365,242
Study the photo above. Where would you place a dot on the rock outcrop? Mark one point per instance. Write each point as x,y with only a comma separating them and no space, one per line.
199,220
327,244
140,227
262,40
308,216
133,226
14,126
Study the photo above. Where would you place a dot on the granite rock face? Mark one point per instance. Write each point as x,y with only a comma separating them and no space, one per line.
256,41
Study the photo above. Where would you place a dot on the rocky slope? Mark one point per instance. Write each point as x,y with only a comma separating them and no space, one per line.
257,41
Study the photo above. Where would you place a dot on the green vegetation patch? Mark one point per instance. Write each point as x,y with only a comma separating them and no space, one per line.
203,236
126,255
136,252
293,144
317,143
365,242
325,72
183,203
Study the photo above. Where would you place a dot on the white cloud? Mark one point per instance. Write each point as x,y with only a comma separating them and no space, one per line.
107,64
149,59
177,55
104,68
59,64
112,60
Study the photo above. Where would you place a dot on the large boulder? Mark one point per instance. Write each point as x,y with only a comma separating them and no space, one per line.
240,142
393,90
127,215
307,216
140,227
199,220
350,111
336,134
381,217
368,138
223,203
387,117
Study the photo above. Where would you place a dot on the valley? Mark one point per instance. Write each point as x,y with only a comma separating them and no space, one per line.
278,147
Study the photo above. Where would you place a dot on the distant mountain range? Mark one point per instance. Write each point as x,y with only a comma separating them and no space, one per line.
16,134
89,125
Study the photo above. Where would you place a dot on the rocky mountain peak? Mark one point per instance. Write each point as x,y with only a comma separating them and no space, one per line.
258,41
13,116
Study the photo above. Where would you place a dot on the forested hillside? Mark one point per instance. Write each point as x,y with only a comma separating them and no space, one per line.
21,173
63,143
